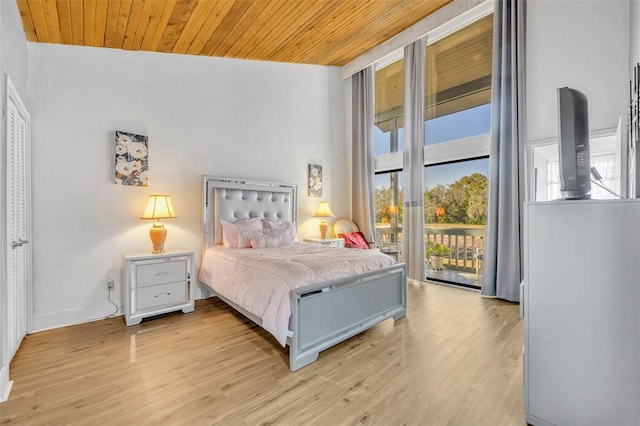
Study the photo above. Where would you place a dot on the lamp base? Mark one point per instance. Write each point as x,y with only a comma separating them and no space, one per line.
323,229
158,235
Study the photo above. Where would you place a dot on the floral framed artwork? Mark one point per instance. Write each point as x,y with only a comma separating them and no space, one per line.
132,153
315,180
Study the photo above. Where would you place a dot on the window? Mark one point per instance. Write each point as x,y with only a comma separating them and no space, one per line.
388,132
388,210
605,157
389,105
457,126
458,83
456,147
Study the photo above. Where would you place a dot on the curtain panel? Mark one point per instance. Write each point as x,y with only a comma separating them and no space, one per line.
363,152
503,263
413,247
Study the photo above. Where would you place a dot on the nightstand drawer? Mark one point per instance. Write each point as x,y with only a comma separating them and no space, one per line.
161,273
163,294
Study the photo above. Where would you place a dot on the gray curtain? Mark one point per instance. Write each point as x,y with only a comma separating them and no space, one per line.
413,249
503,266
363,152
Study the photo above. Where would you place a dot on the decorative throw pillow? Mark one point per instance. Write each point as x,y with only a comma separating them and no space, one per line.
257,241
278,237
282,227
244,237
231,231
354,240
269,239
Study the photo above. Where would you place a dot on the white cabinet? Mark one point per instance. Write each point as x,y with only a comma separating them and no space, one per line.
157,283
582,313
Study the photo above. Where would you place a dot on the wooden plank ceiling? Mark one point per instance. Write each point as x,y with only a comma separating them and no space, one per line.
325,32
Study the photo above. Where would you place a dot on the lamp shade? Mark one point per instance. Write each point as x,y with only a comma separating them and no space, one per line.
159,207
324,211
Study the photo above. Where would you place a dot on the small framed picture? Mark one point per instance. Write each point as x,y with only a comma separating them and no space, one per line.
315,180
132,153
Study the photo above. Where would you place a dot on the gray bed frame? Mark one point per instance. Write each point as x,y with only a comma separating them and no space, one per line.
322,315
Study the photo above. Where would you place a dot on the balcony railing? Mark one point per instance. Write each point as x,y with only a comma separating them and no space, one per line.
465,241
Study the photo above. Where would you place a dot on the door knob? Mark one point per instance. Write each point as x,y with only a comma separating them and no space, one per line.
20,243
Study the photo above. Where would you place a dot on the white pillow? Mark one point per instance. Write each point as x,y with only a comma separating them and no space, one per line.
244,237
281,227
231,231
270,239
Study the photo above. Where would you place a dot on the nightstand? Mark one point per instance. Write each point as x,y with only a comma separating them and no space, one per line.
157,283
333,242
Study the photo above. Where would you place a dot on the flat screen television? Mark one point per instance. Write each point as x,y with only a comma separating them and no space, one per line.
573,144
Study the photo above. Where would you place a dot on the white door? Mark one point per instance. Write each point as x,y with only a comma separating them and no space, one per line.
18,221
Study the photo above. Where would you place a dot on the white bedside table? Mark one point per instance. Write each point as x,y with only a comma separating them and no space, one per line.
157,283
334,242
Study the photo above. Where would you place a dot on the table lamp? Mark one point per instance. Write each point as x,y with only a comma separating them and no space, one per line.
323,212
159,207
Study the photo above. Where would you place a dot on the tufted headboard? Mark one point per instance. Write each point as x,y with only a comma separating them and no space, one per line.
232,199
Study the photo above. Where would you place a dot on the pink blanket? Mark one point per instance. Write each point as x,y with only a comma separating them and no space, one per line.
260,280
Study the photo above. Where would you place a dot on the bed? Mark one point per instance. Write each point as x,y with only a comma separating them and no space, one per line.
318,314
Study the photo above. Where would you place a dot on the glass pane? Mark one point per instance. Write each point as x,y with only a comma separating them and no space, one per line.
455,212
463,124
382,137
389,104
458,83
603,156
388,212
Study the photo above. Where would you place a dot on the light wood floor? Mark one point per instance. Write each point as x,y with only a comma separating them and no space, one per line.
454,360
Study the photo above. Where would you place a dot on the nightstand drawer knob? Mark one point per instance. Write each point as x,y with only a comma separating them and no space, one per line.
159,274
163,294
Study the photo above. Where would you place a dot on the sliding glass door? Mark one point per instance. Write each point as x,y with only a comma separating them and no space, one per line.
455,211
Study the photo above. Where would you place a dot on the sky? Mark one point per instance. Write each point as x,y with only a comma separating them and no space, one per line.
444,174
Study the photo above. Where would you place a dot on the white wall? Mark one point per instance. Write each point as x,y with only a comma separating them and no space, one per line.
13,62
634,34
13,50
580,44
202,115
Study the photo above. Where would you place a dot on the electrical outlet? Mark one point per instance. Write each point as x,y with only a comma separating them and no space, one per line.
109,284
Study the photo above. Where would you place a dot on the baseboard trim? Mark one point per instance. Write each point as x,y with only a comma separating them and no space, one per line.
42,322
5,383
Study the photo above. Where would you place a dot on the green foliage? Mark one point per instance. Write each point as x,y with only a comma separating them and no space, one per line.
384,199
437,249
464,202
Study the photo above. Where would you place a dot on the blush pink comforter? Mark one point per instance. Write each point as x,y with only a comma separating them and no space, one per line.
260,280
